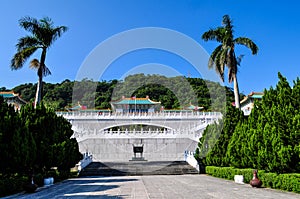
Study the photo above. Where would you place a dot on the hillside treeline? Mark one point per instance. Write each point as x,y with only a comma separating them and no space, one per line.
172,92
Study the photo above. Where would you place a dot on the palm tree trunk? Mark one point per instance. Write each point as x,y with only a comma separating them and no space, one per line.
236,92
38,94
39,89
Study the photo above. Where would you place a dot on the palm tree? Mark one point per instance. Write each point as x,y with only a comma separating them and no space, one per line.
43,34
224,54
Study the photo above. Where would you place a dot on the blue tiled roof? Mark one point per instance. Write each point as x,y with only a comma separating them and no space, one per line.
192,107
7,95
257,96
143,101
11,94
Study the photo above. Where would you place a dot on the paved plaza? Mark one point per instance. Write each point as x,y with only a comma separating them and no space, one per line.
159,186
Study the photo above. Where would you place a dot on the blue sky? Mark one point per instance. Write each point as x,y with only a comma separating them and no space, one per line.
273,25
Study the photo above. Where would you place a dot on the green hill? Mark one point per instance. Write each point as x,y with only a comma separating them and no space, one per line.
172,92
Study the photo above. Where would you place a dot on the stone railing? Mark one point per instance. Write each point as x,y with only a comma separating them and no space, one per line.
162,114
191,160
86,160
82,135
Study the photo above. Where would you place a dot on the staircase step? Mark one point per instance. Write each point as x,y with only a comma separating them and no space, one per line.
138,168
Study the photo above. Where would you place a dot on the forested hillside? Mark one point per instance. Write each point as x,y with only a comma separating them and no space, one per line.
172,92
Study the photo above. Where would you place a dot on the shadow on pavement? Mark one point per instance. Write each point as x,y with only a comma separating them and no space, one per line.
86,187
101,197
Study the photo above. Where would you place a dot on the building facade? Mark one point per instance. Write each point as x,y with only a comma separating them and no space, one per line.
135,105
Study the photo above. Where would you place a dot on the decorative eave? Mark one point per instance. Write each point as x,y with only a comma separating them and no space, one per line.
12,95
195,108
79,107
254,95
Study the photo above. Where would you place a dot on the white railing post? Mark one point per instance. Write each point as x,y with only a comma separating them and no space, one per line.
87,159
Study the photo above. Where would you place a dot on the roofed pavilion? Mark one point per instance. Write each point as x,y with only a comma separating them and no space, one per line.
247,103
135,105
13,99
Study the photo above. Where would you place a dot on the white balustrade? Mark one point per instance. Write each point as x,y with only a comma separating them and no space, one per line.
86,160
82,134
154,115
191,160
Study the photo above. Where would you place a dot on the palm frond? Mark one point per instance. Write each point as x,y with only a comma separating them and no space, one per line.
213,56
27,42
32,25
51,34
239,59
46,71
20,57
223,56
35,64
214,34
57,32
227,22
28,23
219,66
46,22
248,43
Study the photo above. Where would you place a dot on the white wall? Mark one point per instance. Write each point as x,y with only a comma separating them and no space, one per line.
120,150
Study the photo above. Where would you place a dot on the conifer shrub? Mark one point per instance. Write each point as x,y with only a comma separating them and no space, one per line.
11,184
268,139
32,142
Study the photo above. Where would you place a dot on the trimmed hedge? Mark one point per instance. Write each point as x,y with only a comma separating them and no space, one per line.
287,182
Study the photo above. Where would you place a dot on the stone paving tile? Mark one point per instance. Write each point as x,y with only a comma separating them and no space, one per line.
154,187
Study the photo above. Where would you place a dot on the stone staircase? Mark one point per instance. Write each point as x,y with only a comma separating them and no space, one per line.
134,168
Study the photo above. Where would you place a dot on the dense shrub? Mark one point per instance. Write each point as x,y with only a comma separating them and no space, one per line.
32,142
212,146
11,184
267,140
52,136
287,182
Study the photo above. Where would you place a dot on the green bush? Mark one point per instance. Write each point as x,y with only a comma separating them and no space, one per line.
287,182
11,184
229,172
39,179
